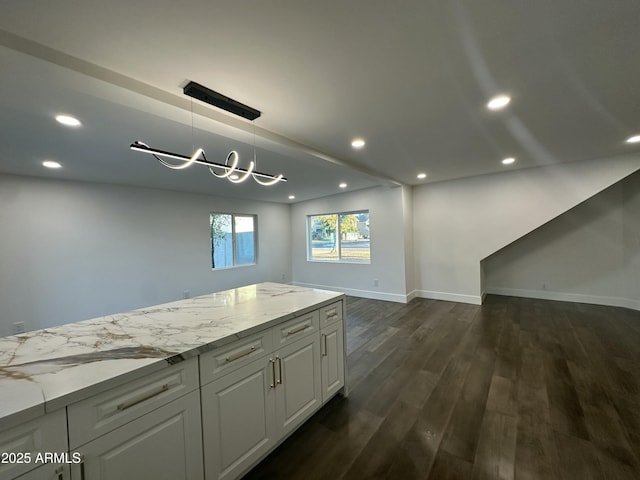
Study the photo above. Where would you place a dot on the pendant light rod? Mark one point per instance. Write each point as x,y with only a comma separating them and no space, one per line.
141,147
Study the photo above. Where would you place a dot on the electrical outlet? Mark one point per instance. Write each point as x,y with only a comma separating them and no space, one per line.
376,282
544,286
18,327
283,277
186,294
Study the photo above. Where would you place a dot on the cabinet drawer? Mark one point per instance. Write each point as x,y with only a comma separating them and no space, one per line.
165,444
226,359
24,442
297,328
95,416
330,314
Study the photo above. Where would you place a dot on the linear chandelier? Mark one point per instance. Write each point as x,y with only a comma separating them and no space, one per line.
229,169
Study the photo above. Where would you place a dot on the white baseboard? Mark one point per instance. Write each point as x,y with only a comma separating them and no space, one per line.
413,294
478,300
389,297
567,297
450,297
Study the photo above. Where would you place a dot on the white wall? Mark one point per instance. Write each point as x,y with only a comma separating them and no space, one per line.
71,250
459,223
631,213
386,218
409,261
585,255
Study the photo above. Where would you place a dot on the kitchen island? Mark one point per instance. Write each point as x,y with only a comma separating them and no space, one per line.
209,384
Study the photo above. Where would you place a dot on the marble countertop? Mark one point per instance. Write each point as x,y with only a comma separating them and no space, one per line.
47,369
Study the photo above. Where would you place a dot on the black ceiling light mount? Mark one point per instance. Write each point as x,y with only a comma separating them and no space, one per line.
204,94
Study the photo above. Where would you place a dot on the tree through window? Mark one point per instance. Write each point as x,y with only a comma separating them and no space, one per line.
233,239
339,237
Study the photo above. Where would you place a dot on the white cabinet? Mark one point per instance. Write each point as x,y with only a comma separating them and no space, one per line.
223,360
23,446
298,392
332,348
217,414
250,409
331,313
238,422
164,444
99,414
147,428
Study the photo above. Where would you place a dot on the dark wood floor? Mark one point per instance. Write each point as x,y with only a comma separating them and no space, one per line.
516,388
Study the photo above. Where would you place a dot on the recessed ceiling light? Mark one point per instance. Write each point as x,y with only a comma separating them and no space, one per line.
634,139
68,120
51,164
508,161
292,197
358,143
422,175
343,185
498,102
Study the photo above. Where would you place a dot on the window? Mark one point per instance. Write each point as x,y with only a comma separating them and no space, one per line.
339,237
233,239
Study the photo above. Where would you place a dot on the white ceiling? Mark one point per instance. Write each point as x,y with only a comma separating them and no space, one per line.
410,77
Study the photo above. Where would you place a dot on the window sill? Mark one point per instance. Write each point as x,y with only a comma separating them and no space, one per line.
340,262
231,267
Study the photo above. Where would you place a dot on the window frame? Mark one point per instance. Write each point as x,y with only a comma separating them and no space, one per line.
340,259
234,248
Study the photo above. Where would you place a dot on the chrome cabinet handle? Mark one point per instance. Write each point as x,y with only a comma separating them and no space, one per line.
238,355
273,373
324,345
299,329
124,406
333,315
279,369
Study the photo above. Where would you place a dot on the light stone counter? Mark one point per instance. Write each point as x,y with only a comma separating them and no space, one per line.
47,369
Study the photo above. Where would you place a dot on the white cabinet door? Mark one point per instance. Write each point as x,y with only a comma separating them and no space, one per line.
23,445
298,390
238,419
332,347
165,444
